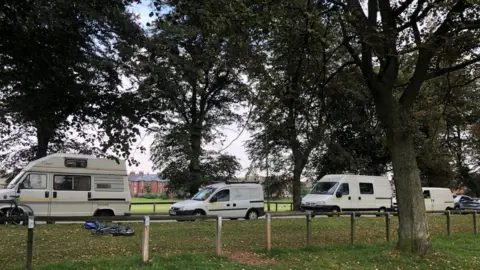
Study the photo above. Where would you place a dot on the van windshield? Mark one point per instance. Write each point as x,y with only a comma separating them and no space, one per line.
203,194
15,180
326,188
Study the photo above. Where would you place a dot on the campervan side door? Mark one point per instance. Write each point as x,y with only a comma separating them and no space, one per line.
345,202
34,191
70,194
366,196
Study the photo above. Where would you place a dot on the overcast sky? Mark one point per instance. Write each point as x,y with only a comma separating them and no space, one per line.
236,148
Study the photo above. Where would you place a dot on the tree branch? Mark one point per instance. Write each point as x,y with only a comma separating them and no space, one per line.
418,17
440,72
403,6
426,54
344,65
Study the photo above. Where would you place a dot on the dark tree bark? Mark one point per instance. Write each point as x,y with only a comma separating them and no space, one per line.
44,136
413,232
299,164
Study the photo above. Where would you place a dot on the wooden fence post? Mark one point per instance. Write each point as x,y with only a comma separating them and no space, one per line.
146,238
219,236
449,223
352,228
475,227
309,228
276,207
269,231
387,225
31,225
154,207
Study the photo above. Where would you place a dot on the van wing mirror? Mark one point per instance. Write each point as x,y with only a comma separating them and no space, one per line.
213,199
338,194
20,186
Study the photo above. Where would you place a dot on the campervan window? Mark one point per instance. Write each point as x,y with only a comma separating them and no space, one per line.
72,182
76,163
366,188
108,183
35,181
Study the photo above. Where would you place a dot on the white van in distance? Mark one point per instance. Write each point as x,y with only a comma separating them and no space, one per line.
231,200
345,192
436,199
70,185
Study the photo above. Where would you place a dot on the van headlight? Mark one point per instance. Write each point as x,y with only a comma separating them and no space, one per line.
320,203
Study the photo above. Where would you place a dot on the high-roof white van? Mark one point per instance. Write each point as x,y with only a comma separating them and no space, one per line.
436,199
231,200
345,192
71,185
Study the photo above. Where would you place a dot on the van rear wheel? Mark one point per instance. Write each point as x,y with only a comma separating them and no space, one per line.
381,210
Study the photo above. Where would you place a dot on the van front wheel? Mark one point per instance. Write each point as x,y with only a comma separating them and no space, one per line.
252,214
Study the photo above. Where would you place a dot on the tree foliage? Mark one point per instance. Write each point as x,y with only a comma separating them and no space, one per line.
299,88
424,40
193,68
62,65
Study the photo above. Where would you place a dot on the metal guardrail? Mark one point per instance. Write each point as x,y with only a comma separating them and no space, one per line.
146,219
290,204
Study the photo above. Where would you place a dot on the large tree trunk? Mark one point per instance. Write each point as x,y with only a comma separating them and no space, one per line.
299,165
43,139
413,233
194,165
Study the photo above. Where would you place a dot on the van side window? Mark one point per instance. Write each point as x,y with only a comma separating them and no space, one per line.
72,182
35,181
426,194
223,195
366,188
344,189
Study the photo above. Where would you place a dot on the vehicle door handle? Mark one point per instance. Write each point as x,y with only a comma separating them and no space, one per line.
234,204
349,197
54,194
360,198
47,194
89,195
228,204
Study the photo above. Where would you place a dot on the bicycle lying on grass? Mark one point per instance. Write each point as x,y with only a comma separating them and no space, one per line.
98,228
15,214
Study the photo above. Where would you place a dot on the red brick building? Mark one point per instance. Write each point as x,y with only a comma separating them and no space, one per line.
141,183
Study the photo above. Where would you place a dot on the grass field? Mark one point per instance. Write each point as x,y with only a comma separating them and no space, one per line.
163,208
192,245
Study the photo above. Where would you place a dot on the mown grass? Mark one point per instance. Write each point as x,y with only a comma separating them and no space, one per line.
191,244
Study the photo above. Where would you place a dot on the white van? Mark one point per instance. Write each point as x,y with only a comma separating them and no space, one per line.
228,200
436,199
70,185
345,192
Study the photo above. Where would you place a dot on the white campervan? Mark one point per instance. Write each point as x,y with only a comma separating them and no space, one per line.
71,185
436,199
344,192
228,200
